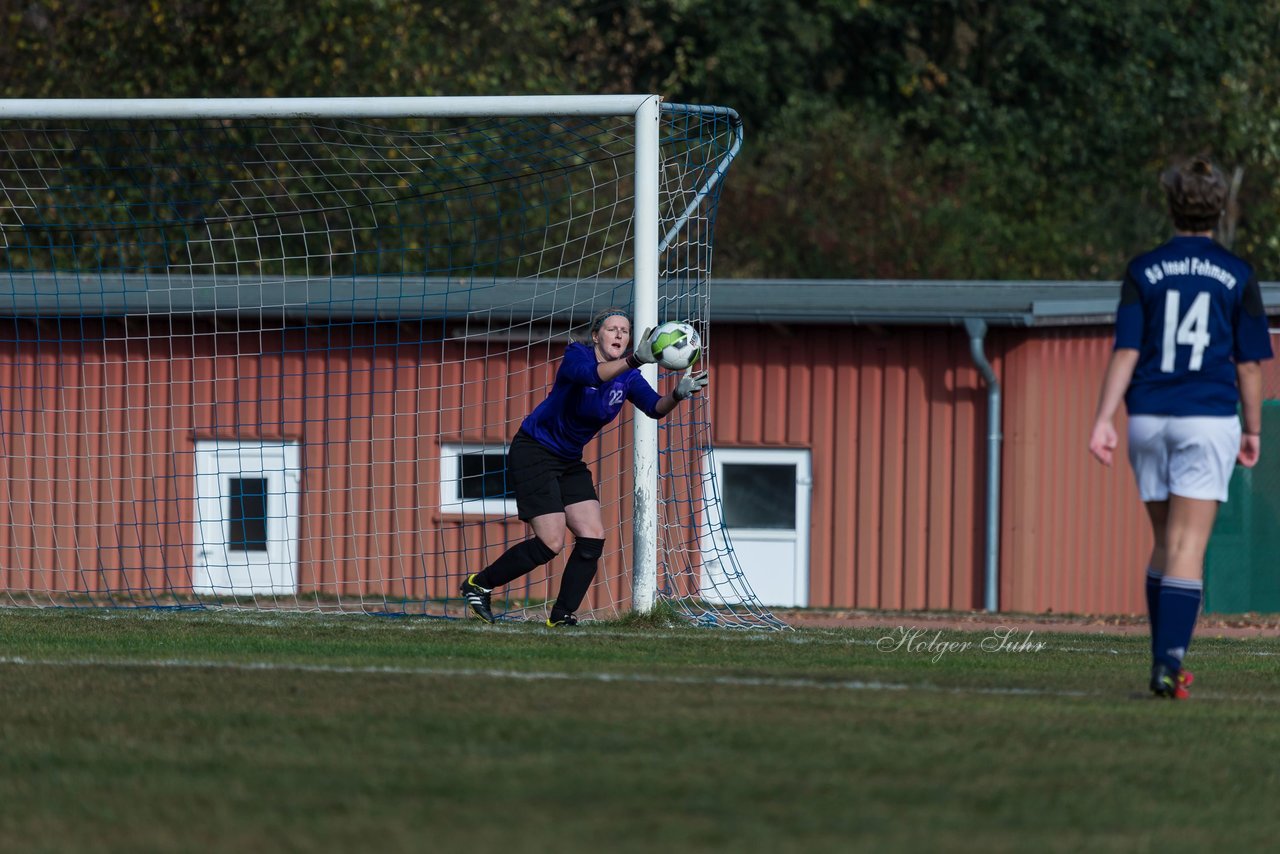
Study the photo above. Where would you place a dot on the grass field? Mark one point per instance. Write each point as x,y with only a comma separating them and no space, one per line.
141,731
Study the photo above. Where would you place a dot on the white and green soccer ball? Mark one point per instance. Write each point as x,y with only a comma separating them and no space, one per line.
676,345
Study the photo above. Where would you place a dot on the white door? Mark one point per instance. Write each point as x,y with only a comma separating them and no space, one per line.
757,519
246,537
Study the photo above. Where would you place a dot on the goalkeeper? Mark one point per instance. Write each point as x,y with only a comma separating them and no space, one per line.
554,488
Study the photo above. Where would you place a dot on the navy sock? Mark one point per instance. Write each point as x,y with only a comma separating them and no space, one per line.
1153,606
1179,607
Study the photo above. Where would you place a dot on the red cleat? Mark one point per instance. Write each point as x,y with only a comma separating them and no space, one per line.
1181,683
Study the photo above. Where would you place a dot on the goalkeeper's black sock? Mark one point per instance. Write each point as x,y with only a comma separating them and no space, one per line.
579,571
520,559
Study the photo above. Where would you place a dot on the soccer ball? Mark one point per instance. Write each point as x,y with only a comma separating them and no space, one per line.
676,345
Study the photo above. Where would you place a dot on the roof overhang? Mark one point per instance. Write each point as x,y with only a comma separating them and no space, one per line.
777,301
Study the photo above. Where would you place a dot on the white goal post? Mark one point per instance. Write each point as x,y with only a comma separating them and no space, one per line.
209,243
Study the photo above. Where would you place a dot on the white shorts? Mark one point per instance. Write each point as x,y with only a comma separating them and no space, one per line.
1192,457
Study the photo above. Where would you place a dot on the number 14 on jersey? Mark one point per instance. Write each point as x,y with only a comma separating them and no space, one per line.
1191,330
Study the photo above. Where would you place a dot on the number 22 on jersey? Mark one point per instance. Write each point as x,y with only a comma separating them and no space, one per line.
1192,330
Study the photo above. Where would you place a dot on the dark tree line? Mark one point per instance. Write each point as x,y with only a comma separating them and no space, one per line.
885,138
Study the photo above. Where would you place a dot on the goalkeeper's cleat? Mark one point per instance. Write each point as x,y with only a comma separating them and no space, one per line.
558,619
1171,684
478,598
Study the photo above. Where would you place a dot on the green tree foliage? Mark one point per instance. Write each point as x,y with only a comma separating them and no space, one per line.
1030,132
284,48
894,138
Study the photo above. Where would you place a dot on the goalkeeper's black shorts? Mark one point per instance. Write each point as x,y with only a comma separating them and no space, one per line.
543,482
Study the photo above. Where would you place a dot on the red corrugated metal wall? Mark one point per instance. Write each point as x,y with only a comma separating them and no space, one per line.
1074,534
895,420
99,422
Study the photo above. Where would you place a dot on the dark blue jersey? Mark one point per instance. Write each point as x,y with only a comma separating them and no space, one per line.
581,404
1192,310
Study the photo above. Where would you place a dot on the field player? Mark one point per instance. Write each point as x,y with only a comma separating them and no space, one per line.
554,488
1190,333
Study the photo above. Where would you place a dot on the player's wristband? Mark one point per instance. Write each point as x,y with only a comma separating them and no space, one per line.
1256,435
633,361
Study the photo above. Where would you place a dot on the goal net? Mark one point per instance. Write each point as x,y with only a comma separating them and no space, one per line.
270,354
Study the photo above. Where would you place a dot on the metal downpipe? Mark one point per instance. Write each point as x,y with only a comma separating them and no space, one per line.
977,329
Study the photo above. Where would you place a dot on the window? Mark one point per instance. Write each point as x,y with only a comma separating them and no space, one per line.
759,496
247,514
473,480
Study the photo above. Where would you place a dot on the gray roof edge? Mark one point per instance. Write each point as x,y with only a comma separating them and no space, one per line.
851,302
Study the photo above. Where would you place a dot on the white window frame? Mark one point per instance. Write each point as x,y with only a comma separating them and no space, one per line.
450,472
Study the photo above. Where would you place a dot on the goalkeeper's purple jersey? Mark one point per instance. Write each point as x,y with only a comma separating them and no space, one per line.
581,404
1192,310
